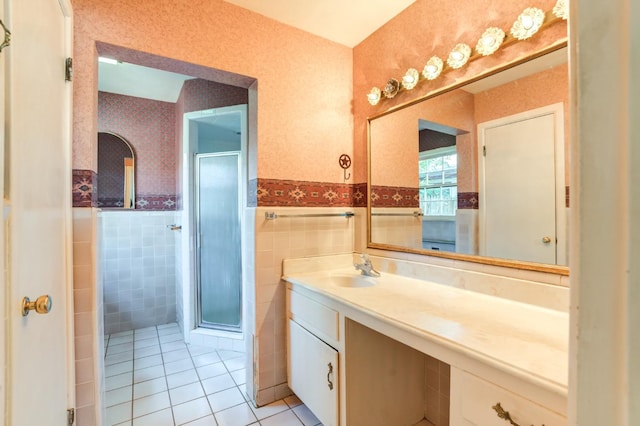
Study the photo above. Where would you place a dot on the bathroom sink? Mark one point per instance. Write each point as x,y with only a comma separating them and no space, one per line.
352,281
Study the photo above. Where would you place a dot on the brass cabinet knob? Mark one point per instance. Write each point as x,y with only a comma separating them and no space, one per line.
546,240
42,305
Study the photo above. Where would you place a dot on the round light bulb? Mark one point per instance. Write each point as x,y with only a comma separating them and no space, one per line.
488,40
527,22
431,68
456,55
374,96
408,79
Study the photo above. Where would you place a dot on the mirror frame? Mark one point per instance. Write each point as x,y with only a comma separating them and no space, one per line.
509,263
131,186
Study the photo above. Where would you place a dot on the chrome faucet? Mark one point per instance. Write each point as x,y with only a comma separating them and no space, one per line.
366,267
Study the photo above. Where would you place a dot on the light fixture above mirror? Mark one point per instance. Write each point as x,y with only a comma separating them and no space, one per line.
433,68
459,56
490,41
410,79
526,25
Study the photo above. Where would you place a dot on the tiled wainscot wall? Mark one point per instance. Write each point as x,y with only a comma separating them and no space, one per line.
88,308
276,240
139,263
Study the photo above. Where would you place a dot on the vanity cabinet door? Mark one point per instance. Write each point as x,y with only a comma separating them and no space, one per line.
473,400
313,373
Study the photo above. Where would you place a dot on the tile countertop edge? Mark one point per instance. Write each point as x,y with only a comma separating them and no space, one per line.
554,385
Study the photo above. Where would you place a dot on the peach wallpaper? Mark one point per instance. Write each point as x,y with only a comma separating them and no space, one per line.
304,82
433,27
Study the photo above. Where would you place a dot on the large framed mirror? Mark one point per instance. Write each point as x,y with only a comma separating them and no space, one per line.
478,171
116,172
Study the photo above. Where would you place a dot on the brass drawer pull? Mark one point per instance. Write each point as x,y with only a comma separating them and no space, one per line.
329,382
504,414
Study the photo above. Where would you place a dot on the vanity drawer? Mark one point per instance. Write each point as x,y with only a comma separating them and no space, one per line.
315,317
473,399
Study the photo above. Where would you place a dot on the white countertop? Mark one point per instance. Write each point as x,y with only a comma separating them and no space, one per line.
519,338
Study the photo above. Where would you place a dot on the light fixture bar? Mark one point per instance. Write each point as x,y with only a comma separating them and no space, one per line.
530,21
108,60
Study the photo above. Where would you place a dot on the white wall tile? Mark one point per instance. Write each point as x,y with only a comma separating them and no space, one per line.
139,258
276,240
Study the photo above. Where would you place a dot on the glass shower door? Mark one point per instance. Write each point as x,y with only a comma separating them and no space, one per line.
218,240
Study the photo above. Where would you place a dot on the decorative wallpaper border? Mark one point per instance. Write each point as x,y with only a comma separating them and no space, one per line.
275,192
144,202
84,190
468,200
84,185
394,196
360,194
156,202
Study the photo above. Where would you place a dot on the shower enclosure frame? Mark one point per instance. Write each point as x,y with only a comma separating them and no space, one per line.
199,320
187,246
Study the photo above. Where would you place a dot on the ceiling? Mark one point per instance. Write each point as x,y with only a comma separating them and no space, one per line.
345,22
142,82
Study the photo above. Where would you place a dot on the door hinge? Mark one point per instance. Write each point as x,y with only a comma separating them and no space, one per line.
484,150
71,416
68,69
7,37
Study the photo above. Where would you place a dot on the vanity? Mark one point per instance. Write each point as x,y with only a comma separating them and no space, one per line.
424,344
469,177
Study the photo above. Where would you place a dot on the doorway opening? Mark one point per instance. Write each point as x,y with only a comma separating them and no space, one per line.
214,188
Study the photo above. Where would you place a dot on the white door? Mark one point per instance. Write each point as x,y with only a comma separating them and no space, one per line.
39,377
520,206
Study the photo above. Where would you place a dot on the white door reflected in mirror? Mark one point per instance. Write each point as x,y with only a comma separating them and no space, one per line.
522,187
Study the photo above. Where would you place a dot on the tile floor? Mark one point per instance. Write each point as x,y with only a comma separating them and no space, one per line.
154,378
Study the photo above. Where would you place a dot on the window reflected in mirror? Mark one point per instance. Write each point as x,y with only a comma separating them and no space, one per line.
437,188
116,172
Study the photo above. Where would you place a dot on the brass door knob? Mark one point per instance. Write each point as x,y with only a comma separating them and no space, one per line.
42,305
546,240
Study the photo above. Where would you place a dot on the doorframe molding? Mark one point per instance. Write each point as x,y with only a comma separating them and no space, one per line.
187,242
557,110
67,11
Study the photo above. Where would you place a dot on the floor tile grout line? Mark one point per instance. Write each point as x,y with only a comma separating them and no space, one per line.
166,381
133,384
201,387
235,385
200,381
133,372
